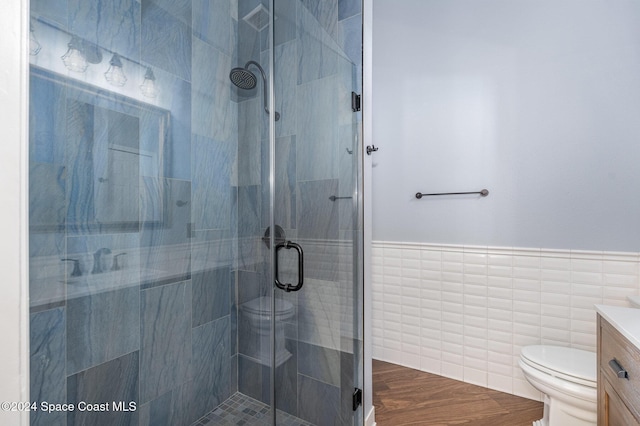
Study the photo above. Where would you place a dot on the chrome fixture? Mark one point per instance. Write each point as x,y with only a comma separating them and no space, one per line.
371,148
244,79
114,75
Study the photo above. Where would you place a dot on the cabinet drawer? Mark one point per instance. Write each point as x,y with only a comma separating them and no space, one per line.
615,412
614,346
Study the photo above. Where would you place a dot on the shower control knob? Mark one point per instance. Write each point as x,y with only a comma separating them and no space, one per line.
371,148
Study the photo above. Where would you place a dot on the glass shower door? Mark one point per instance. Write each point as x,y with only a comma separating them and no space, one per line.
316,203
159,167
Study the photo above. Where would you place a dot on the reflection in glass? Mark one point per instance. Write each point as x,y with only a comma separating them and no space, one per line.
148,86
114,75
34,44
74,59
111,142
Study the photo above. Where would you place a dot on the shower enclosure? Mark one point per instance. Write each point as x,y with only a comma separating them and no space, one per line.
195,239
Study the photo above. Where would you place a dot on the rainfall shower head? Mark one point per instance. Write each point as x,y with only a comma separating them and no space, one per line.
244,79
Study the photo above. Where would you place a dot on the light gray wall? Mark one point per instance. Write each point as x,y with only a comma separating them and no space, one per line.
537,100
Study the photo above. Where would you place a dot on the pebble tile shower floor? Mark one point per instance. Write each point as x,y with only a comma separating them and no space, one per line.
242,410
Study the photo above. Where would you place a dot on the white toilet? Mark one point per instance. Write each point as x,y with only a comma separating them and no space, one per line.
258,313
567,378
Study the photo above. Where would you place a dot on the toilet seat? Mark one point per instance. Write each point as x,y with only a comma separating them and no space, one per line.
569,364
262,306
567,379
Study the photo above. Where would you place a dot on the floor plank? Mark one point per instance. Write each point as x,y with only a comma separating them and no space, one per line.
404,396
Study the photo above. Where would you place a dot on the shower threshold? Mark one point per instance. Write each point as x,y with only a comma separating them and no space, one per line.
240,409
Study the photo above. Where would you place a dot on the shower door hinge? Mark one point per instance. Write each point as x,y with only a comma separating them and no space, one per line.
355,101
357,398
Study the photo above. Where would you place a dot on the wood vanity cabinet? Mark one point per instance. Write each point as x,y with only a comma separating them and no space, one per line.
618,378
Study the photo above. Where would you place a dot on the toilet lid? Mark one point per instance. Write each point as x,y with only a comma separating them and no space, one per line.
262,305
571,364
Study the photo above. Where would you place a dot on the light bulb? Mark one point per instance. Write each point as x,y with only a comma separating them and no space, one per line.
115,75
74,59
148,86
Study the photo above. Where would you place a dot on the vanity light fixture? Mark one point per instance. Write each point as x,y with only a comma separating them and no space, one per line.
74,59
114,75
148,86
34,44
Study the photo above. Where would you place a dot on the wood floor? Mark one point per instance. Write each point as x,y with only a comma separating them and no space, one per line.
403,396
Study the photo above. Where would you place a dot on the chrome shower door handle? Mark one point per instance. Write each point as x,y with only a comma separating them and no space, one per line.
287,286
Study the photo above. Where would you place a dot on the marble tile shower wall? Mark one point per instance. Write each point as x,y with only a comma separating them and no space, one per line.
317,44
465,312
160,330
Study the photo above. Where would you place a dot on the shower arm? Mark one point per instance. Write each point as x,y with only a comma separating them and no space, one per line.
264,82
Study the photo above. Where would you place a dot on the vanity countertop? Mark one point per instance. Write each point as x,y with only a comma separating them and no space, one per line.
625,320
